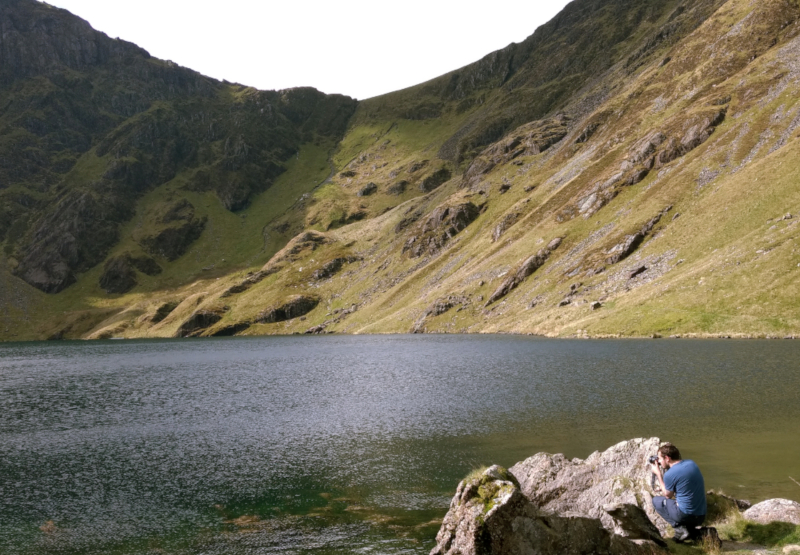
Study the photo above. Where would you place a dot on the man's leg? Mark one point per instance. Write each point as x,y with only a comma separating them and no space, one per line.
667,509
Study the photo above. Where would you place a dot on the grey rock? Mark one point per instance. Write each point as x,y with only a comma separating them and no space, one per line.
774,510
198,322
508,220
490,515
595,305
554,244
444,223
118,275
434,180
368,189
634,522
637,271
294,307
163,311
619,475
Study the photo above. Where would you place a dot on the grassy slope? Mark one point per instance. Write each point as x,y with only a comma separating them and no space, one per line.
725,266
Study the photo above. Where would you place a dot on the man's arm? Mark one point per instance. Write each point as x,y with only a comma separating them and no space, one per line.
657,470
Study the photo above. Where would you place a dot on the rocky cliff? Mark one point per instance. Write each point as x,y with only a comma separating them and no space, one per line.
90,125
629,169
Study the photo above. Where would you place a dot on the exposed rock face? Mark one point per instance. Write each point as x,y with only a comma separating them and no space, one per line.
294,307
526,269
529,139
198,322
634,522
368,189
163,311
118,275
489,515
434,180
443,224
630,243
619,475
437,309
774,510
231,330
70,89
173,242
332,267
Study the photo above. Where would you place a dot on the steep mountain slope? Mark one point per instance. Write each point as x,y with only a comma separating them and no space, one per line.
90,124
631,169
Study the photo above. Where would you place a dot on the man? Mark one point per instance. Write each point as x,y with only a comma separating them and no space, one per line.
684,502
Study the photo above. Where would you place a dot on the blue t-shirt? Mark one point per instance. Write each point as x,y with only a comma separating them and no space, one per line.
685,480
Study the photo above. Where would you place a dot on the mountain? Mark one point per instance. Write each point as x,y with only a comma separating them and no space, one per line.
629,169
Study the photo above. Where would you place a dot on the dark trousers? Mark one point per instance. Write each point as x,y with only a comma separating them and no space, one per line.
669,511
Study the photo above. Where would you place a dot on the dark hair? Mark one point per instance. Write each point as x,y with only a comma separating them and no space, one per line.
669,450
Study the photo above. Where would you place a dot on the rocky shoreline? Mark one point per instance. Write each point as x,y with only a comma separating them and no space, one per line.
548,504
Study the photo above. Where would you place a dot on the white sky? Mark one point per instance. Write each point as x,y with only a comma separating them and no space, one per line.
359,48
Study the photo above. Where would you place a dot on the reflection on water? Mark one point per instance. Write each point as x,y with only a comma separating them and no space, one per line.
339,444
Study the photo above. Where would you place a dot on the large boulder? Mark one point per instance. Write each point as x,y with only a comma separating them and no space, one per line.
774,510
619,475
490,515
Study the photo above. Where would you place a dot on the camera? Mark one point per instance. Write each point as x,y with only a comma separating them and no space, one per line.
653,459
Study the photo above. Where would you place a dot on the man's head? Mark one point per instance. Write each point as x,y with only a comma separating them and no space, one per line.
668,455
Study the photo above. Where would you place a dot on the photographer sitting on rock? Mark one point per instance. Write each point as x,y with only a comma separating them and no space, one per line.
684,502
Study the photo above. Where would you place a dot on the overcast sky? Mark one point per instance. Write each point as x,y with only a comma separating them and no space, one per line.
355,47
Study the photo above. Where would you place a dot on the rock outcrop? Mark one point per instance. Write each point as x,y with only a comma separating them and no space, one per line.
198,322
443,224
774,510
630,243
294,307
619,475
528,267
490,515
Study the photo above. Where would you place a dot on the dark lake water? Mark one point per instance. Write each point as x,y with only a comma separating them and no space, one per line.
342,444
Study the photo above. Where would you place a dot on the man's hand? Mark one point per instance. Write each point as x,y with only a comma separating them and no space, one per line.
656,469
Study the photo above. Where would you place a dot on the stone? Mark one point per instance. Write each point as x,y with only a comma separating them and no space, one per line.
634,522
489,515
434,180
397,188
293,307
118,275
528,267
774,510
173,242
595,305
444,223
638,271
163,311
618,475
198,322
508,220
332,267
368,189
791,548
231,330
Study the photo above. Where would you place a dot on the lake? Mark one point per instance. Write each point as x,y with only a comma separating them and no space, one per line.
353,444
